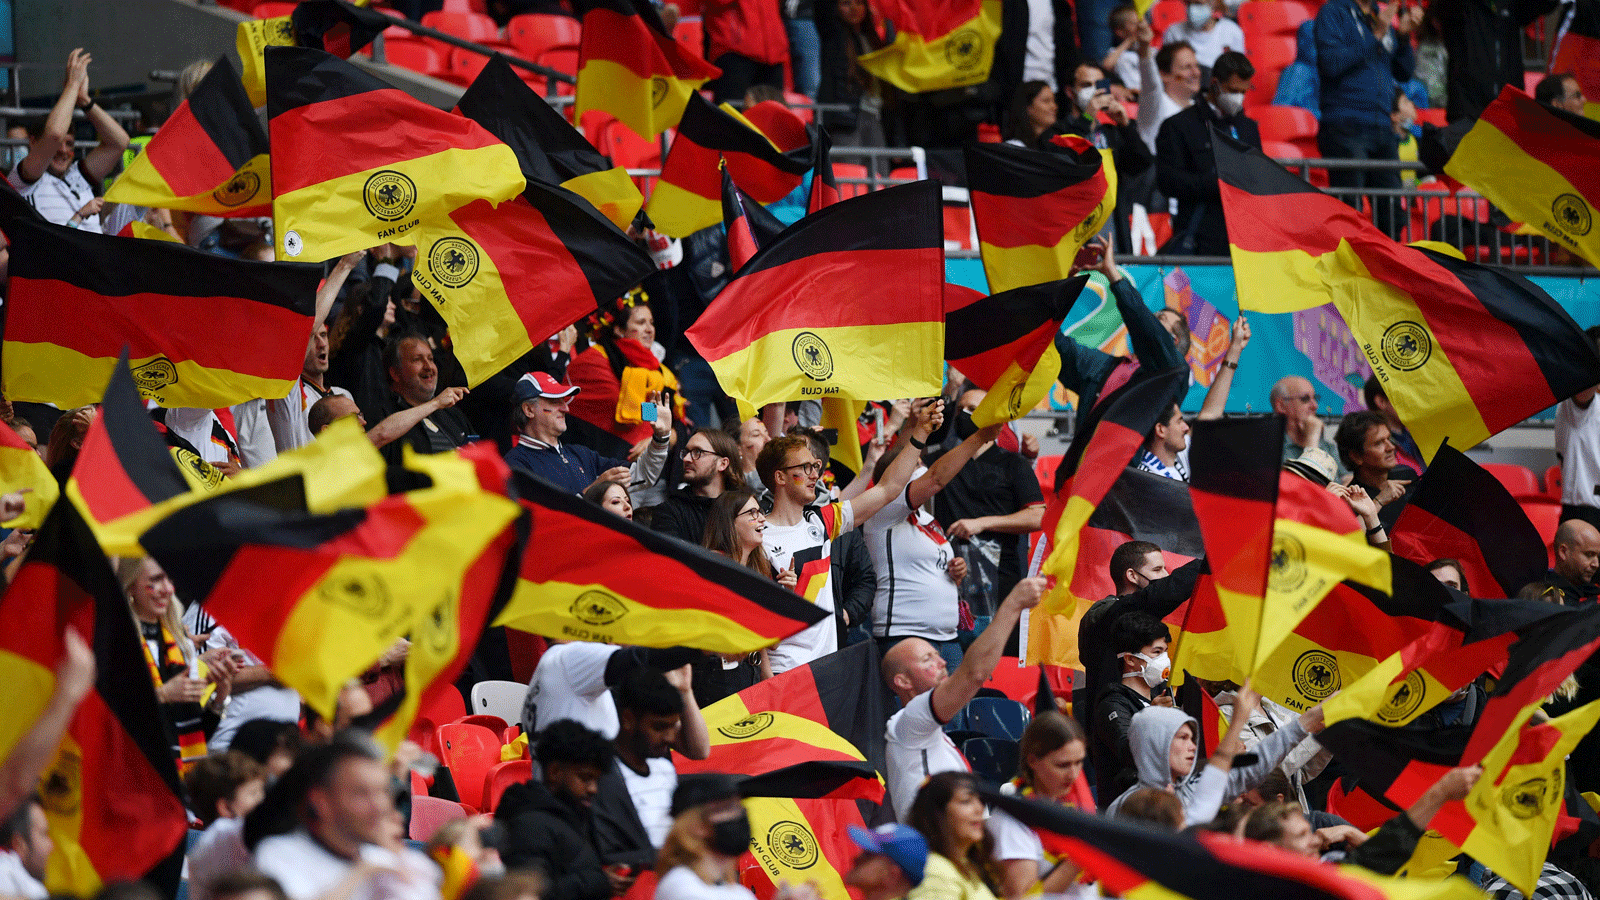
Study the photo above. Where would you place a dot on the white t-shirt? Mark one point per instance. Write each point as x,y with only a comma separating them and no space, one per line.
15,880
1039,56
652,796
916,748
570,683
274,703
288,416
1128,70
1163,107
58,198
306,871
1207,44
681,883
806,546
1014,840
256,444
199,428
1578,442
911,557
218,851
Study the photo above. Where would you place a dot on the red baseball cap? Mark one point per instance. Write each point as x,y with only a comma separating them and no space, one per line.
540,384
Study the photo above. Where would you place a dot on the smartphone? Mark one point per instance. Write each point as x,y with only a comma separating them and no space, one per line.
647,411
831,435
1089,257
1102,86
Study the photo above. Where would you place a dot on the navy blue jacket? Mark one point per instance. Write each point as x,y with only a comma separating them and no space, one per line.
572,468
1358,74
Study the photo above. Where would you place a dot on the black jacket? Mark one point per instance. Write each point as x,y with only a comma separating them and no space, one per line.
1115,770
1186,171
1159,599
543,832
855,582
619,835
1484,40
683,515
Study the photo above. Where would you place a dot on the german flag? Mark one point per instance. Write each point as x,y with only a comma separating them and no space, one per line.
1137,862
937,45
634,586
750,226
1035,209
111,794
831,710
1005,343
1194,700
321,596
337,26
1459,510
1536,164
1094,462
630,67
209,157
21,469
505,278
1464,351
824,187
548,148
1578,52
688,197
848,302
400,161
77,300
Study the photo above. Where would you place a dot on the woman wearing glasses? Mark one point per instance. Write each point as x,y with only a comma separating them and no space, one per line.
733,529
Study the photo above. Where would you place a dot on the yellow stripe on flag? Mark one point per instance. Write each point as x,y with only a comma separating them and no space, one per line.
554,609
69,871
51,373
612,192
22,469
1018,391
1378,697
963,56
649,106
679,213
485,327
28,689
1007,268
1527,189
766,372
1308,562
1063,559
784,844
255,35
1279,281
142,185
841,414
146,231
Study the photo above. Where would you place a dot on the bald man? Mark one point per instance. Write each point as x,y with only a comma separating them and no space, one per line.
1577,547
1296,399
331,409
930,696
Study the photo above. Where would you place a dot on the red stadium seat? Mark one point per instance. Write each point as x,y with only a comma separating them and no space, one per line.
481,7
842,171
1287,124
1044,468
1164,15
494,723
906,172
417,55
534,33
469,25
628,150
1552,482
470,751
800,105
691,33
1545,516
465,65
562,58
1272,52
429,814
1264,18
958,227
272,9
593,125
1519,480
443,706
502,776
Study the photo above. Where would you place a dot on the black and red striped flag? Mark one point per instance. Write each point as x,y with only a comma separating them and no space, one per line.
1459,510
750,226
1005,343
824,186
111,795
1035,209
687,198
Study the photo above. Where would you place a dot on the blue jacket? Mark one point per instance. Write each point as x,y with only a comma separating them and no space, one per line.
1299,85
1358,73
572,468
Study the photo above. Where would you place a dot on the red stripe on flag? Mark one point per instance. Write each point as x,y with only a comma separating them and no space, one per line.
1423,537
1042,221
198,166
1546,138
106,489
1108,453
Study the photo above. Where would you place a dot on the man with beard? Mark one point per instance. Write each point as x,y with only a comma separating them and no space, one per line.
710,467
548,823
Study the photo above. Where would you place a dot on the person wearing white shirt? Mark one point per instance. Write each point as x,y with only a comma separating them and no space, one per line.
223,789
289,416
25,848
930,696
50,177
1171,79
1208,30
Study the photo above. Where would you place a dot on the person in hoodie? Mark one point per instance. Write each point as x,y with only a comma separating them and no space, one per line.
548,824
1164,750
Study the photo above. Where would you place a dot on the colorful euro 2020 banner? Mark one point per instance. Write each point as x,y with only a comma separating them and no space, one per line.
1314,343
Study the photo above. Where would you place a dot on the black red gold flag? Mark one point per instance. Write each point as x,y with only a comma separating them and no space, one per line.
1578,51
400,162
111,795
505,278
1534,162
1133,861
77,300
319,597
1194,700
210,156
632,585
1093,464
936,46
1464,351
630,67
848,302
1035,209
548,148
824,186
750,226
830,710
688,197
1005,343
22,469
1463,512
337,26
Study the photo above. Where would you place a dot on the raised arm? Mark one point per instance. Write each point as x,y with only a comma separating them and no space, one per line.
104,158
694,738
946,467
978,664
395,427
1217,397
58,124
926,415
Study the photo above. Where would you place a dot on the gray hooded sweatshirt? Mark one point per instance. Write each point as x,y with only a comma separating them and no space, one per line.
1203,791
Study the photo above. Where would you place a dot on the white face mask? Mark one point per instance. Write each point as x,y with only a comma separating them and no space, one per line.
1156,670
1085,94
1230,104
1199,14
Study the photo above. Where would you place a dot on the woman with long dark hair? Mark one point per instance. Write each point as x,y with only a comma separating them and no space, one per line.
949,814
733,529
1032,114
847,31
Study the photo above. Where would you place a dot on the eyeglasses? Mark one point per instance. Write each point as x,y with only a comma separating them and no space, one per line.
754,514
810,468
693,453
1308,398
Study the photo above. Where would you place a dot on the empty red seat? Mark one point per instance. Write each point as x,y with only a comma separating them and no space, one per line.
502,776
480,7
1263,18
1282,150
563,59
534,33
958,227
1431,116
1164,15
495,724
272,9
1519,480
906,172
691,33
464,65
1546,517
429,814
469,25
628,150
842,171
470,751
801,105
1552,482
1287,124
1044,468
417,55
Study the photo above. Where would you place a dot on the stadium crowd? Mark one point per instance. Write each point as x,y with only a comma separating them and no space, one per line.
923,552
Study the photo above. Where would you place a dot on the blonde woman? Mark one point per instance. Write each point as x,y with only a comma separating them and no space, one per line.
175,665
